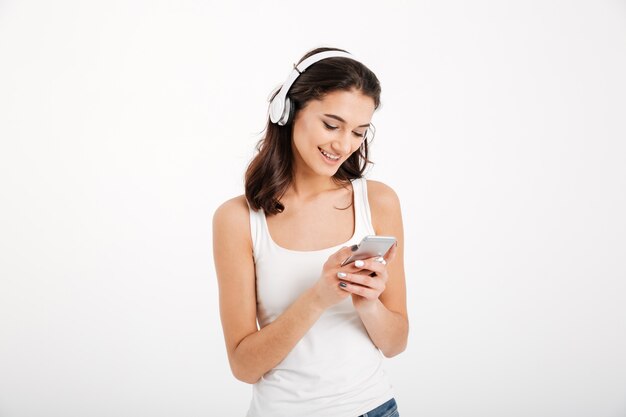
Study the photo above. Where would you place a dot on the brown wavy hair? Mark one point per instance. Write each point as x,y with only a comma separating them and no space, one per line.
271,171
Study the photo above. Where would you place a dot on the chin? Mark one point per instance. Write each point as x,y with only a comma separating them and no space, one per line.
327,171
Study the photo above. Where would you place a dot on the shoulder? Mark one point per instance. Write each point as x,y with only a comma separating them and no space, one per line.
234,209
384,207
232,218
381,196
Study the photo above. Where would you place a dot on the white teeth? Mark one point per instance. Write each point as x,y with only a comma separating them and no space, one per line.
334,158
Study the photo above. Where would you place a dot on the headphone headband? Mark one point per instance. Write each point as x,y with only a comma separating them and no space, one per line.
280,105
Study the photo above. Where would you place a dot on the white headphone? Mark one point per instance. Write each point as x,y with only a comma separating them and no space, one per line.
281,107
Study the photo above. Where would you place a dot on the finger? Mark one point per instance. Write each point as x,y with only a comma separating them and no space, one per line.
380,276
377,265
369,293
363,280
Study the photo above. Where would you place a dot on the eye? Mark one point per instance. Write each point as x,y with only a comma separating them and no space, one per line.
329,127
360,135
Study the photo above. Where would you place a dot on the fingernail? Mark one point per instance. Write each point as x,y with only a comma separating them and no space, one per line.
341,275
354,247
343,284
359,263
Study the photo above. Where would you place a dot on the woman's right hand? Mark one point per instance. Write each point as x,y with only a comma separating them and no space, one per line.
327,287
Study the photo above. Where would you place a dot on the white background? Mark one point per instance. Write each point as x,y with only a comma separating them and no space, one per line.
124,124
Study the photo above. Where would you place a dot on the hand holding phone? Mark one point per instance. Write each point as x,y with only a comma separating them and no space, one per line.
371,246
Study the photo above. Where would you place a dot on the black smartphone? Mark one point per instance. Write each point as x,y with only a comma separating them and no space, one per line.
371,246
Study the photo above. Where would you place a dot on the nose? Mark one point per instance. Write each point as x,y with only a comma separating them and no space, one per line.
343,143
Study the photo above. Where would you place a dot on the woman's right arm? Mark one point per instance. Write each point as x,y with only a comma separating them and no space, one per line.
253,352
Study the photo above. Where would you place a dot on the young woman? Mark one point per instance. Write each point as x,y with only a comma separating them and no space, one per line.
278,251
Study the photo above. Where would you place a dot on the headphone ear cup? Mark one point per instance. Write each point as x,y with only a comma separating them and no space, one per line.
286,115
280,111
288,112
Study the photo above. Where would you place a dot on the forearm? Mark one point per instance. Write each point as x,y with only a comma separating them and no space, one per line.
388,330
261,351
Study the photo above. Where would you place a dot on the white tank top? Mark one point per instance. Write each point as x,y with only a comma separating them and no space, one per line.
335,370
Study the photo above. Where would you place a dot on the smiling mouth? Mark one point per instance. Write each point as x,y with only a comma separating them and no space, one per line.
329,156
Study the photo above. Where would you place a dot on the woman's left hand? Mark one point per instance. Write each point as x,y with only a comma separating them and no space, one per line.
367,279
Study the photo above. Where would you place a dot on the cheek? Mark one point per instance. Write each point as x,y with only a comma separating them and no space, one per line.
305,133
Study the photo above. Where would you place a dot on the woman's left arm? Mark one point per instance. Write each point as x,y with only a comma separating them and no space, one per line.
381,300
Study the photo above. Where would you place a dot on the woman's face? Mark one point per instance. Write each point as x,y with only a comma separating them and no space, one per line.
327,131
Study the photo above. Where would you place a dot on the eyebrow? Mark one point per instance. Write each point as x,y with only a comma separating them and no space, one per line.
333,116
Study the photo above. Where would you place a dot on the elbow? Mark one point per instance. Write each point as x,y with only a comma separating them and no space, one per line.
397,348
243,367
394,351
248,379
243,374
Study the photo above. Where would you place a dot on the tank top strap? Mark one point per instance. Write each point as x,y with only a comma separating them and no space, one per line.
362,213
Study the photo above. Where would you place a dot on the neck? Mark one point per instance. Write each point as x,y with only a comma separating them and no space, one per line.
309,185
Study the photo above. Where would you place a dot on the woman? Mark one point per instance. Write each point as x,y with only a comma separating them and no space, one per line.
278,251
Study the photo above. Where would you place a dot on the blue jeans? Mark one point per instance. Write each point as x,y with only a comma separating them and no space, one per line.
388,409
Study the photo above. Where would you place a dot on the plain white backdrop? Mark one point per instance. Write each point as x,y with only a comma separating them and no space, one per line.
124,124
